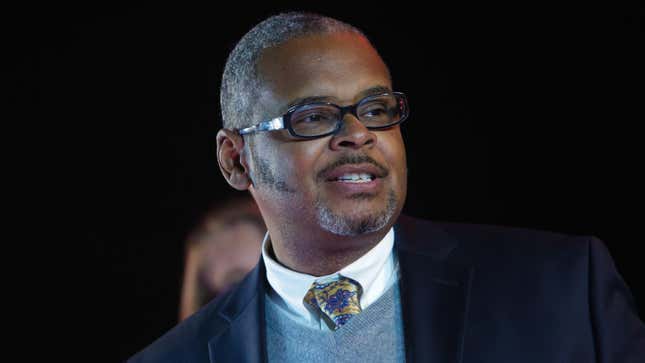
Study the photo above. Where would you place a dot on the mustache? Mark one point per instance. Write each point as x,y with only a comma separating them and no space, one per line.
353,159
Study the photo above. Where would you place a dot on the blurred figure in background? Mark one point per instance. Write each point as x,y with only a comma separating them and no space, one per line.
223,247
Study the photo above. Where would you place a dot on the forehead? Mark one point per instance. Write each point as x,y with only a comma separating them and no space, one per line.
337,66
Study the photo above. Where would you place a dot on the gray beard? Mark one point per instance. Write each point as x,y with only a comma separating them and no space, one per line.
348,225
342,225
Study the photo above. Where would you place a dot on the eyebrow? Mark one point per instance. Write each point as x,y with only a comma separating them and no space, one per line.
312,99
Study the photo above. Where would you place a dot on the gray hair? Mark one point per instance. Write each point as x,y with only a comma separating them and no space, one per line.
241,79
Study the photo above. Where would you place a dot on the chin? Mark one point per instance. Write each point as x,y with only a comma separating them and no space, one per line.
360,219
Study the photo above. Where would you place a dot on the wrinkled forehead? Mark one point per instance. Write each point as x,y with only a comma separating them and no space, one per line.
336,66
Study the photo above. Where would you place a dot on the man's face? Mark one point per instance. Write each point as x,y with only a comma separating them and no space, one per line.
305,182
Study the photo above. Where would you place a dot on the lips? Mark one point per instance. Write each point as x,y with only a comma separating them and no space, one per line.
355,173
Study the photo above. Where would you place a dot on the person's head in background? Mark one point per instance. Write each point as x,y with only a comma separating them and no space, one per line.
223,247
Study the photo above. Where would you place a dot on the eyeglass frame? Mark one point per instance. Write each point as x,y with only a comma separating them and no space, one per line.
284,121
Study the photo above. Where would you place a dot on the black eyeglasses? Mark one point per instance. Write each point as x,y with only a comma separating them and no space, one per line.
320,119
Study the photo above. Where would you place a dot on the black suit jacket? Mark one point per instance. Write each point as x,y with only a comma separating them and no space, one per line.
469,293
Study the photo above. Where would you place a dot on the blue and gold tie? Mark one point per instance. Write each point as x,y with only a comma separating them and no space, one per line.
337,299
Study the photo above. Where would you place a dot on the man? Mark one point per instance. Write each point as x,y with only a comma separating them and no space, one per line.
312,130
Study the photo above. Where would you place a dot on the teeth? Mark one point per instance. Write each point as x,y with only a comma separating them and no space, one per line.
356,178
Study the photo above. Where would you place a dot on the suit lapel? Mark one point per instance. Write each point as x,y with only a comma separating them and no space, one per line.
243,340
434,292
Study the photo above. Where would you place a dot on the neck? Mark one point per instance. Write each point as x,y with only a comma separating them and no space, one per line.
323,254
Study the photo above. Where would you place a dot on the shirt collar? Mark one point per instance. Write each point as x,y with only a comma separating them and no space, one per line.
291,286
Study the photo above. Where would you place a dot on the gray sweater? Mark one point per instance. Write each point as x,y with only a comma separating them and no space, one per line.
374,335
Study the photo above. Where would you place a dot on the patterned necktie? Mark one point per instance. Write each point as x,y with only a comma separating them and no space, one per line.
337,299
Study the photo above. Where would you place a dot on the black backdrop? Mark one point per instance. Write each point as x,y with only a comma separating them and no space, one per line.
522,115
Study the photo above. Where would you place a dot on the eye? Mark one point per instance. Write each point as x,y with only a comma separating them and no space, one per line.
313,115
374,110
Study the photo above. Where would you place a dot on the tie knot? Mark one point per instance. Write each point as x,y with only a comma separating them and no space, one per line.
338,299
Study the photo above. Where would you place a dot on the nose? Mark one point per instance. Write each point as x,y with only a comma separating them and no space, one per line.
353,135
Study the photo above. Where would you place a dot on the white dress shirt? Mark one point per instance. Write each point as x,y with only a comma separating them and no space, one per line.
376,271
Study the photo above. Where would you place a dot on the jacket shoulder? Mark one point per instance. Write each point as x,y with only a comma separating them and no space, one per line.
188,340
488,242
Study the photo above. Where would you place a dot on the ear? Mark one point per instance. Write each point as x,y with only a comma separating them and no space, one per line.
232,164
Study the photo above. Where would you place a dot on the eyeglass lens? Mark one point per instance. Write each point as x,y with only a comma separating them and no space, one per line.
375,111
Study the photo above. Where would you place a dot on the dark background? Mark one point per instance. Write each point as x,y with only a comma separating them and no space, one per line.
522,115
